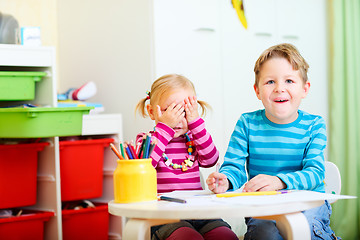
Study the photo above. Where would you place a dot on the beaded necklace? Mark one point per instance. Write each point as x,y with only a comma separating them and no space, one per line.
188,162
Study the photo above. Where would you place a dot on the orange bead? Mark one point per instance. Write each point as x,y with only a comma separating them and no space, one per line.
184,168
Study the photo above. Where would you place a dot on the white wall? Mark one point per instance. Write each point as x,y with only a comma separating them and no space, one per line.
109,42
39,13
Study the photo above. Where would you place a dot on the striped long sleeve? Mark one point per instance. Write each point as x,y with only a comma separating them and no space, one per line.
293,152
205,155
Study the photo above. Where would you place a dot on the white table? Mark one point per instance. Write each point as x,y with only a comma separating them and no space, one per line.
290,221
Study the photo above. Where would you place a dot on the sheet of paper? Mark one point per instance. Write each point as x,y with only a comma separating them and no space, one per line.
205,197
194,198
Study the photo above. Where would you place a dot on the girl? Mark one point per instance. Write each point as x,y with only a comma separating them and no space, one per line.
183,145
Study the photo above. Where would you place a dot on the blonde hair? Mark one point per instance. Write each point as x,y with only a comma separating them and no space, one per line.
163,85
287,51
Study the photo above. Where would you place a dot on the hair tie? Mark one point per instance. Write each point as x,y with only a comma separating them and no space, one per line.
148,95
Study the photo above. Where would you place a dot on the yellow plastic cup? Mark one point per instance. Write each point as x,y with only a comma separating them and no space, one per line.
135,181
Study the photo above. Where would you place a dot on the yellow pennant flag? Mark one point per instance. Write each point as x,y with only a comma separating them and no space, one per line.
239,7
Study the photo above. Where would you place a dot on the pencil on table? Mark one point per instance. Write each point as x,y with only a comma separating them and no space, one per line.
171,199
237,194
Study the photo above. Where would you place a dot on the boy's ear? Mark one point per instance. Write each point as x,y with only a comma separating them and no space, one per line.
306,89
257,92
150,111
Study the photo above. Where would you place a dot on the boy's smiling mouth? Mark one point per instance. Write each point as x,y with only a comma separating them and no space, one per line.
280,100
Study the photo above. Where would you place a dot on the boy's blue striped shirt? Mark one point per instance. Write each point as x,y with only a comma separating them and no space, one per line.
293,152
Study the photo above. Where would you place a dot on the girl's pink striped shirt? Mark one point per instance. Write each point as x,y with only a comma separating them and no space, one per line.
204,152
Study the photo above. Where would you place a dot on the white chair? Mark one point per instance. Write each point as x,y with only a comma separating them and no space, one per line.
332,179
332,186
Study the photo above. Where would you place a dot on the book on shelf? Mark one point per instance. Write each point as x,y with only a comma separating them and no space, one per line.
98,107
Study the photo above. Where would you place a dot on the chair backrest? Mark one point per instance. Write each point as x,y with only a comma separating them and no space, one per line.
332,179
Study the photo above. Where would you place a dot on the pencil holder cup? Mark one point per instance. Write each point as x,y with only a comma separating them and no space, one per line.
135,181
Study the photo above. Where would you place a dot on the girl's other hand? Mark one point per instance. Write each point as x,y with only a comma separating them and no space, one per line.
191,108
264,182
173,114
218,179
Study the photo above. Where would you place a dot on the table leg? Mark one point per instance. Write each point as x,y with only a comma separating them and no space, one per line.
139,229
292,226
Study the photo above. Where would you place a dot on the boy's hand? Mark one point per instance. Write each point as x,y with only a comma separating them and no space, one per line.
191,109
218,179
264,182
171,116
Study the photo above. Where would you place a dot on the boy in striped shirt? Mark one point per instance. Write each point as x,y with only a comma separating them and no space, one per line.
279,147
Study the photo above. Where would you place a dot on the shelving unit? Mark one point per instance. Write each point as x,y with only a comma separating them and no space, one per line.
23,58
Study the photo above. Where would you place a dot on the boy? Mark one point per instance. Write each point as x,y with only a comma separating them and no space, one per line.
282,146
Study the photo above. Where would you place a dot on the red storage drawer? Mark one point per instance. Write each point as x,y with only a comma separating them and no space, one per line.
29,226
81,168
86,223
18,174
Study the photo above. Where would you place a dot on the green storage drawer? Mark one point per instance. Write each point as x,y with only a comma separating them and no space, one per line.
15,86
41,122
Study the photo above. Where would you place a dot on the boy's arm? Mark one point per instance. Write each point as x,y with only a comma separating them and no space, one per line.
162,134
313,173
205,147
236,155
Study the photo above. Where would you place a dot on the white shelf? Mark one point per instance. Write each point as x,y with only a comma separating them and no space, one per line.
22,58
19,55
94,124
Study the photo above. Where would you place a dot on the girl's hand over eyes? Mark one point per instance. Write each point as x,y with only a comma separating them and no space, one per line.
172,115
191,109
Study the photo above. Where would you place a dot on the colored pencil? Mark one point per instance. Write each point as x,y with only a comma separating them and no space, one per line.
122,149
132,150
113,148
237,194
152,146
128,151
171,199
147,146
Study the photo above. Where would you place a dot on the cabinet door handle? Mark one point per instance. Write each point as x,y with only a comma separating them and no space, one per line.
263,34
291,37
204,29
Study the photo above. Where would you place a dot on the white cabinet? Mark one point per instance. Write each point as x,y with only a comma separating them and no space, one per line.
22,58
187,37
205,41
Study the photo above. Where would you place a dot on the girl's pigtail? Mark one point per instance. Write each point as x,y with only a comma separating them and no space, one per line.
140,107
204,106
